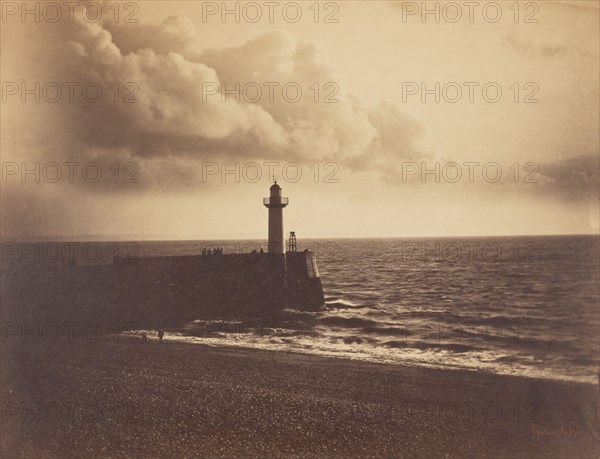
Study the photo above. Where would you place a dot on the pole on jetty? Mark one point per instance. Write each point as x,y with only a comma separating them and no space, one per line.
275,203
292,242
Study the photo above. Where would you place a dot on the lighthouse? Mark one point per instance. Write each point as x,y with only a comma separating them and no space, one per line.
275,203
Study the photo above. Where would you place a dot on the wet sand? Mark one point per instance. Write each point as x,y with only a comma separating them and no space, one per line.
119,398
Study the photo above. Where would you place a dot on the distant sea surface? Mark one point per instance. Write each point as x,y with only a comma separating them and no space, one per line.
527,306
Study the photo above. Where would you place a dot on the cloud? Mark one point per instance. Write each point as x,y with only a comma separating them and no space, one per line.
172,129
173,35
174,118
576,178
393,144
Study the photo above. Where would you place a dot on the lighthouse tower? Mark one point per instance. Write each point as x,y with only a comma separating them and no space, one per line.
275,203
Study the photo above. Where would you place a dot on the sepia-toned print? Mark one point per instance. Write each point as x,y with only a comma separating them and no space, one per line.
299,229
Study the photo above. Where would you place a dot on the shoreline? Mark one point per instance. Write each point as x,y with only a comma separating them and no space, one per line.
186,339
188,400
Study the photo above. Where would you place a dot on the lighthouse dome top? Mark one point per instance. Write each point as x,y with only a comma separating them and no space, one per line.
275,186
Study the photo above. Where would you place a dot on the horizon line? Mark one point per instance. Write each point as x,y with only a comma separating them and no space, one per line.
155,238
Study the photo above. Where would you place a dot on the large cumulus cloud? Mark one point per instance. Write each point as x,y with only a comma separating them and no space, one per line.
172,118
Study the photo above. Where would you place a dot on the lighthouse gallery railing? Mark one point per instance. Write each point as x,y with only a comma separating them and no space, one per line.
269,201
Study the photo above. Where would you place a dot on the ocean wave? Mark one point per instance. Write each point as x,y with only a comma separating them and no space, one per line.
342,304
351,339
390,331
347,322
452,347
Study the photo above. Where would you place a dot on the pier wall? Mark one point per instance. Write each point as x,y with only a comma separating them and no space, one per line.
161,291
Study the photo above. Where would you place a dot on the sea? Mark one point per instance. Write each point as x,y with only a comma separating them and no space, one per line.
525,306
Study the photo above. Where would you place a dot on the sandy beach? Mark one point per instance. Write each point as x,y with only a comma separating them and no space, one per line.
119,398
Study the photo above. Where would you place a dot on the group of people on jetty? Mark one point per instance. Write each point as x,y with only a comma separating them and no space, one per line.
216,251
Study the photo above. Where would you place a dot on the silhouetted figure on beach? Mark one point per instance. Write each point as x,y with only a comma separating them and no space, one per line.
144,338
161,334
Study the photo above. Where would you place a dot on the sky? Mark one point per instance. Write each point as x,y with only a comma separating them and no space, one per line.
376,120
